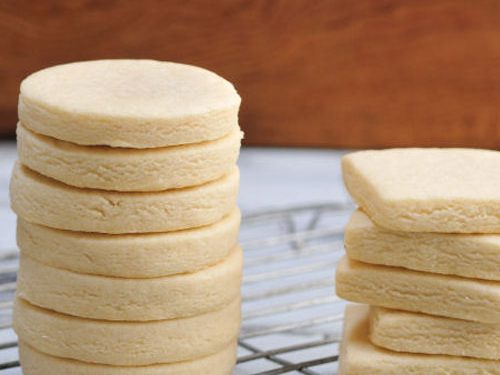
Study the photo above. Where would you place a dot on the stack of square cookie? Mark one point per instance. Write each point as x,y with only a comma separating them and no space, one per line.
125,192
423,250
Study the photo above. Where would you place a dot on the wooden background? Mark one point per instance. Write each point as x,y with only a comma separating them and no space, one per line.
343,73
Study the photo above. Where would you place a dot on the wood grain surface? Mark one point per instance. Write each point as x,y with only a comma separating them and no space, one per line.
339,73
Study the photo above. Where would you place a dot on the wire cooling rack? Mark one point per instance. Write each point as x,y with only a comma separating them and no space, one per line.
291,317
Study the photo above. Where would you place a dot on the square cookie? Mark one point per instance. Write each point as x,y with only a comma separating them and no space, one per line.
427,190
360,357
403,331
399,288
467,255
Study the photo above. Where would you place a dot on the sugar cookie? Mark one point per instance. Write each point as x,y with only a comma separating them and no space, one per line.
427,190
359,357
126,343
130,255
128,103
409,332
38,363
121,169
467,255
45,201
116,298
399,288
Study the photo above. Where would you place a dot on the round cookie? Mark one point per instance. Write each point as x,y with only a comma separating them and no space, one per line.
116,298
37,363
109,168
45,201
126,343
128,103
130,255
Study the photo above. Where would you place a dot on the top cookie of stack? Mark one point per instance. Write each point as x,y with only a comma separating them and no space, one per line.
427,190
129,103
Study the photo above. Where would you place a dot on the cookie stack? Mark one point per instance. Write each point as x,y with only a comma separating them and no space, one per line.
424,251
125,192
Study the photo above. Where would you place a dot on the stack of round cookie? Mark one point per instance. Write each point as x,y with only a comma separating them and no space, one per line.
125,192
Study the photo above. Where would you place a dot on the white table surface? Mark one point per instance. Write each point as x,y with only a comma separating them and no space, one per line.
270,178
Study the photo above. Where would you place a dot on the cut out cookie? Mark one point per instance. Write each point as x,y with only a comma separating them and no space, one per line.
130,255
360,357
121,169
45,201
38,363
399,288
427,190
467,255
126,343
116,298
128,103
408,332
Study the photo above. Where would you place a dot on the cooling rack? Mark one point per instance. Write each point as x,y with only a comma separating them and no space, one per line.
291,317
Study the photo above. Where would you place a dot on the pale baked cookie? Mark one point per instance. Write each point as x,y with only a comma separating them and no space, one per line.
360,357
399,288
126,343
130,255
427,190
468,255
128,103
116,298
408,332
38,363
122,169
45,201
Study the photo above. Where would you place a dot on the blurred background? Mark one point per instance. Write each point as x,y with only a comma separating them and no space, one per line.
327,73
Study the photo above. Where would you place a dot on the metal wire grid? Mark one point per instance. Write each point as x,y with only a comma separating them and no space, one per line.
291,317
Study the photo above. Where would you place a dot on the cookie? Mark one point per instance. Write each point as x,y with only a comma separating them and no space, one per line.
126,343
358,356
45,201
38,363
427,190
408,332
130,255
128,103
115,298
399,288
122,169
467,255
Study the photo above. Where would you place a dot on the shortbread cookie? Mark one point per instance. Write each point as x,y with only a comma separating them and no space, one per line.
408,332
126,343
38,363
116,298
399,288
121,169
44,201
130,255
359,357
468,255
427,190
128,103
